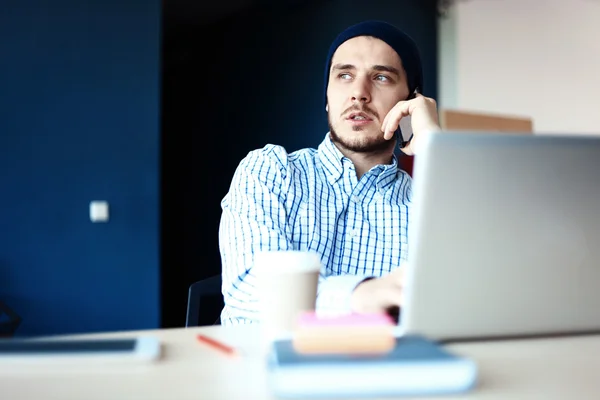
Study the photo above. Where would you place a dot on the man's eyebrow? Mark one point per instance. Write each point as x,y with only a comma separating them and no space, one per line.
380,68
387,68
343,66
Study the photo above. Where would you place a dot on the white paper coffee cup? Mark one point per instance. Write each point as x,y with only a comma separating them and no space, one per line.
287,286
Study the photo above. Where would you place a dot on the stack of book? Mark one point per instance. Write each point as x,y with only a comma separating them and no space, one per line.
410,366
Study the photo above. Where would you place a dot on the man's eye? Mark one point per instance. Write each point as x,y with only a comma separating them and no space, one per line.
382,78
344,76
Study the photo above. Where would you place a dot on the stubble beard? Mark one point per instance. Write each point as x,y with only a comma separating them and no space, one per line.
360,143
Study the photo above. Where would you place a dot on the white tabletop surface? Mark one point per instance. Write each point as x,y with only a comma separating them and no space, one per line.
560,368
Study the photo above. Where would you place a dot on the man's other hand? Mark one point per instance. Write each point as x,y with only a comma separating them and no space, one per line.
380,294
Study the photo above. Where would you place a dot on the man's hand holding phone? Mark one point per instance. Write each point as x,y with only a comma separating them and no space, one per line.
424,118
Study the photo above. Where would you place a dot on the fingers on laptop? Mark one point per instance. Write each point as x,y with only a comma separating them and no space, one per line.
377,295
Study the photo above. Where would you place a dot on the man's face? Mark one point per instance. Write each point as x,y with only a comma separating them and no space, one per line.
366,80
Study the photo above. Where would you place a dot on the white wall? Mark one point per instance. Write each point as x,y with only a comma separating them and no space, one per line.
538,58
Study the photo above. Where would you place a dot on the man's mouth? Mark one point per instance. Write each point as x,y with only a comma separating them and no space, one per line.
359,117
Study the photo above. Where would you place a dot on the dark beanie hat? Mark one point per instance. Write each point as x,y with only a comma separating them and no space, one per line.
403,44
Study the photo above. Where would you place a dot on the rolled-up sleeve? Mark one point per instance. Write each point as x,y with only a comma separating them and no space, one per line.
335,292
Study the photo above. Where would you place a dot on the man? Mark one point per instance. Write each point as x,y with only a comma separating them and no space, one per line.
347,200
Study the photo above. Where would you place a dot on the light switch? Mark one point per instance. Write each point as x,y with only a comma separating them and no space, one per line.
99,211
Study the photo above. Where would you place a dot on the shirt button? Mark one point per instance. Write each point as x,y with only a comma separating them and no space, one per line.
355,199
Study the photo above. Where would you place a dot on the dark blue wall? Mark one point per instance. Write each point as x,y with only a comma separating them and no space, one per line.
79,121
247,79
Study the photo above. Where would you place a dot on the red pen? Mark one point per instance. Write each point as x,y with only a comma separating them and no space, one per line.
217,345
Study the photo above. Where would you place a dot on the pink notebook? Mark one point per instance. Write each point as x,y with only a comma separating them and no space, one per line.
311,319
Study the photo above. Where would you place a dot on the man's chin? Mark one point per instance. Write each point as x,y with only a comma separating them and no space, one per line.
361,141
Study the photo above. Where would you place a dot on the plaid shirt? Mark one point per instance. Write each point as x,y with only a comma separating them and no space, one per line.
311,199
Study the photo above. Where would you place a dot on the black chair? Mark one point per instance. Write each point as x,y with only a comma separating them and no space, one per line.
9,321
205,302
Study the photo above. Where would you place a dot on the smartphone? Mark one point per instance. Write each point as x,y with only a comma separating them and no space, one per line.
404,132
45,351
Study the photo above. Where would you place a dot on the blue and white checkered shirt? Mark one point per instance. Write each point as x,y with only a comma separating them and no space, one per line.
311,200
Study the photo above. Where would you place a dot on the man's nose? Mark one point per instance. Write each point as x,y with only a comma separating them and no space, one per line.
361,91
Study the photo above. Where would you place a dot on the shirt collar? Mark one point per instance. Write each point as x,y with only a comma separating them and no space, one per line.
332,160
387,175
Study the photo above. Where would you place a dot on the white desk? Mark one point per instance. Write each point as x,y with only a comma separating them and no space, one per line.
565,368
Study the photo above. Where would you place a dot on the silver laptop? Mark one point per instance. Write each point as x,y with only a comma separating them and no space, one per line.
505,237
